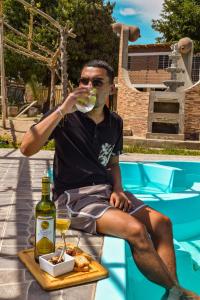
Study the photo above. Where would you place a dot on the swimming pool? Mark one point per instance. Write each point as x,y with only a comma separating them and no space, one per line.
174,189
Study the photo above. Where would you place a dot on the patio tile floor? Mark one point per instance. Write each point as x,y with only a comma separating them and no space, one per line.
20,183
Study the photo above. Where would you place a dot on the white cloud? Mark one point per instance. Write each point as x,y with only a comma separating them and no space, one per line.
148,9
128,11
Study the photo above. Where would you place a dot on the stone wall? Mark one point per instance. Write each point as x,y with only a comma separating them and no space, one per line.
192,112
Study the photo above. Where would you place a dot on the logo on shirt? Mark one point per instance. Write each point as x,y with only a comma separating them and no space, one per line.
105,153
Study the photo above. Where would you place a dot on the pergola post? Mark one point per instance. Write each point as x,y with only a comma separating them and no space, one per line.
52,93
30,33
51,61
63,57
2,70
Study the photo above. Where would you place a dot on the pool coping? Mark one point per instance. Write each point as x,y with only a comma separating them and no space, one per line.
114,259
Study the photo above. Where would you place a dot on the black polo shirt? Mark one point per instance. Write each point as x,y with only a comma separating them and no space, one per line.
83,149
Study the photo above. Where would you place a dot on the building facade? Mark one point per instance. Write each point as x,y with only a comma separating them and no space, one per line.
148,109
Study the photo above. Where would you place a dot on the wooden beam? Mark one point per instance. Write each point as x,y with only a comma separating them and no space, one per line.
38,56
57,73
2,69
24,53
46,16
71,34
55,57
64,75
25,109
51,62
52,94
30,27
43,48
41,13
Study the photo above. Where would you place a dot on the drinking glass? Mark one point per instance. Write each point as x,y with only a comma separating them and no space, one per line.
63,221
86,104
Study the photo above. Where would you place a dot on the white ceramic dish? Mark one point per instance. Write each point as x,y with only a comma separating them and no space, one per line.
59,269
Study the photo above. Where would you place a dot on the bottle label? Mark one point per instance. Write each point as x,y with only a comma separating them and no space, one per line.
45,228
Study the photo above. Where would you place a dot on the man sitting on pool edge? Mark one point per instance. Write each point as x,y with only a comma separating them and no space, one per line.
87,179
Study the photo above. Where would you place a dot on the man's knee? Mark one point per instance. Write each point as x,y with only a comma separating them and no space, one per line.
137,234
163,225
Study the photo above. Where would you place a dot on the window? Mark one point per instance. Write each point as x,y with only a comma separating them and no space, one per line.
163,62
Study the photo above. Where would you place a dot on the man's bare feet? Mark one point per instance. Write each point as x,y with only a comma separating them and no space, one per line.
178,293
189,298
189,295
172,294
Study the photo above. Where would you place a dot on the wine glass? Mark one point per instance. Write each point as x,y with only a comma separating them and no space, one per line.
63,221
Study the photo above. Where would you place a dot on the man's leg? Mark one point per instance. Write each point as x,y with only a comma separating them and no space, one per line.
120,224
160,230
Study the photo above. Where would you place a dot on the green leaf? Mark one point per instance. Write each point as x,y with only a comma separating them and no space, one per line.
179,18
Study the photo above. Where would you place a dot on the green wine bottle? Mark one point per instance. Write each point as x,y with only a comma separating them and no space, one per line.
45,217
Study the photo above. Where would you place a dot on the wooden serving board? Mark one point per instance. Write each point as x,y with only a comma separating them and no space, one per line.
96,271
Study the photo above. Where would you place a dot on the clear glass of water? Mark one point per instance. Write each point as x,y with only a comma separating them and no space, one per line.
86,104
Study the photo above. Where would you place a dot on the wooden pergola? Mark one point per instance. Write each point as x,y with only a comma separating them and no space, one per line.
50,60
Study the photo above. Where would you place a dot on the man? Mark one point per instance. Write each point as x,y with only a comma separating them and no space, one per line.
88,182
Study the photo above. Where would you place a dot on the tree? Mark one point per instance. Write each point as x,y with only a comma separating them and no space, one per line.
18,17
179,18
91,22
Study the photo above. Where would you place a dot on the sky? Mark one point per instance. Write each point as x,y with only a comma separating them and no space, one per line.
139,13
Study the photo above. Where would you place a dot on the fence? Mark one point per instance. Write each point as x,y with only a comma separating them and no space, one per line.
43,95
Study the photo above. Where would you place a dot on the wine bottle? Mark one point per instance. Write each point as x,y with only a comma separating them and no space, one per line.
45,217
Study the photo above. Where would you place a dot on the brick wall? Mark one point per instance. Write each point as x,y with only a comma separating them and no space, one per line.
192,111
132,106
144,69
149,76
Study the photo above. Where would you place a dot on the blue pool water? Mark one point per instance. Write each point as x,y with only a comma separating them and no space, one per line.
174,189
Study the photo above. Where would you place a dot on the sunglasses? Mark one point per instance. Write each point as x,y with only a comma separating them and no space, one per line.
96,82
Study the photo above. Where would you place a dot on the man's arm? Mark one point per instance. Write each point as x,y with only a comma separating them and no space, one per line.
37,136
118,198
113,165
